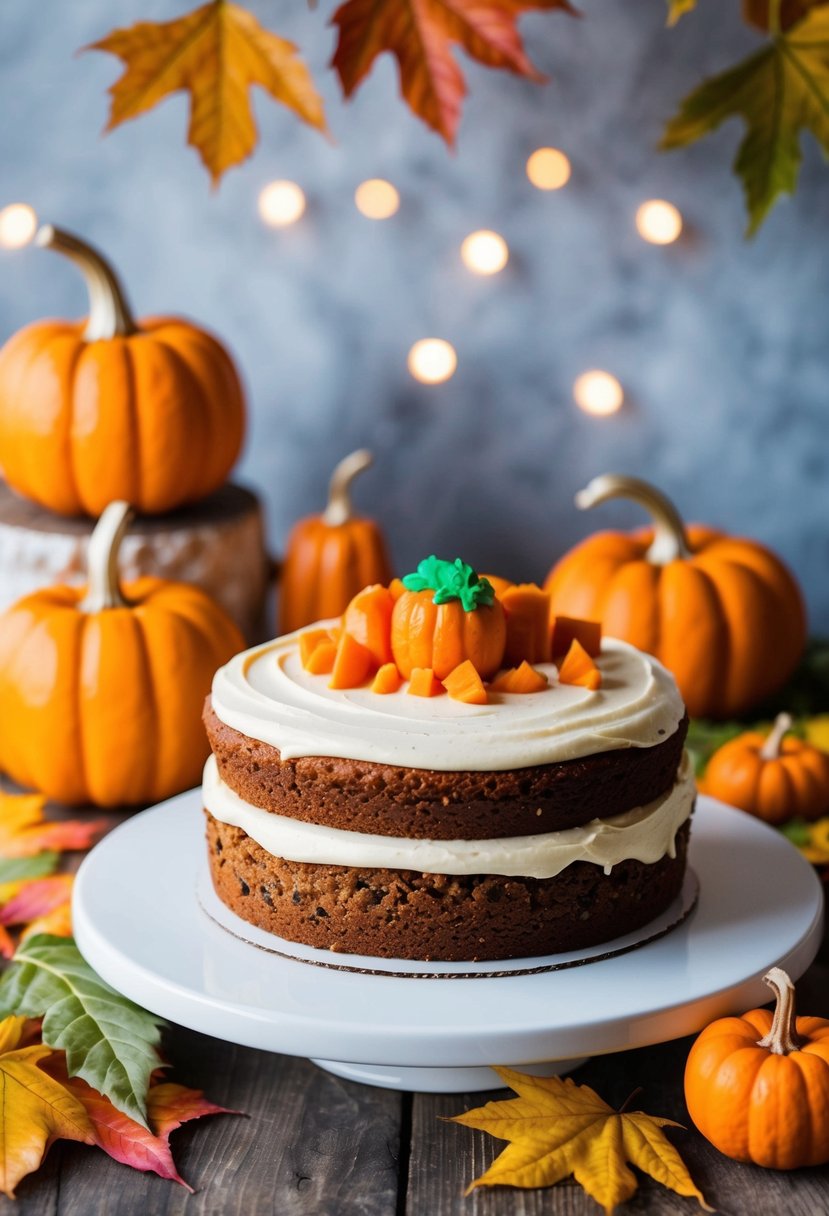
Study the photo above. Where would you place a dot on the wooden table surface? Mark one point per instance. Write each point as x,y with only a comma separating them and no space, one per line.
310,1144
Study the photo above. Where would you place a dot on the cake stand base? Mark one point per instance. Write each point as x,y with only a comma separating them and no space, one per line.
440,1080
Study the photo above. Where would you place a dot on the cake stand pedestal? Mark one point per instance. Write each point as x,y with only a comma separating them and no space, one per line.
148,922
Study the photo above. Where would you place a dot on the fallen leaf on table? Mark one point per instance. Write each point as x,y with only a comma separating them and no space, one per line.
557,1128
38,901
109,1041
25,831
420,34
34,1108
816,731
216,54
678,8
15,870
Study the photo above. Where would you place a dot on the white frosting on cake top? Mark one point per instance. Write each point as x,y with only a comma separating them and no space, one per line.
266,694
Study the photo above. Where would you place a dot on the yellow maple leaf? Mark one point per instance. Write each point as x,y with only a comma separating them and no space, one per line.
557,1128
215,53
34,1108
816,730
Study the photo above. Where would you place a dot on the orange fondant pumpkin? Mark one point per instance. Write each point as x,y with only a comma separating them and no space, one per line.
724,614
151,411
757,1086
330,557
101,689
774,777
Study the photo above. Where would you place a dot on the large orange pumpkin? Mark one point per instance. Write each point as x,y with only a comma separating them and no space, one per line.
151,411
330,557
101,689
722,613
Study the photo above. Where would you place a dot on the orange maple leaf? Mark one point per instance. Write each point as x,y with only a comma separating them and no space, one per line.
24,831
43,905
420,34
216,54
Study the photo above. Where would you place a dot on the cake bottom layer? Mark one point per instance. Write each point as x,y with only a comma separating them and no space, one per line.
438,917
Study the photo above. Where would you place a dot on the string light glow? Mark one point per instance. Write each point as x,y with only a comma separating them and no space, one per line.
281,203
376,199
484,252
598,393
432,360
18,224
548,169
658,221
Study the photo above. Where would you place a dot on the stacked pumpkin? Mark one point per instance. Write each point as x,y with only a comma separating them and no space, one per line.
101,687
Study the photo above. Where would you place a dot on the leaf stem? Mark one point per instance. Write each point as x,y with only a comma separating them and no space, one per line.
630,1098
774,17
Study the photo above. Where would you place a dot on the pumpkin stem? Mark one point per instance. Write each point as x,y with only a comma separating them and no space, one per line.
670,541
771,748
103,587
109,312
339,509
783,1037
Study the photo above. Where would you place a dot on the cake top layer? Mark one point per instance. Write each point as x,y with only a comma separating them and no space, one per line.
267,695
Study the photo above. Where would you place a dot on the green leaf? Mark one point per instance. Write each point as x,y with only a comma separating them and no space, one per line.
109,1042
15,869
678,8
779,92
451,581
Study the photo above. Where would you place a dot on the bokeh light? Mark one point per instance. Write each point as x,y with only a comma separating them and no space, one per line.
658,221
484,252
599,393
376,199
432,360
281,203
18,224
548,169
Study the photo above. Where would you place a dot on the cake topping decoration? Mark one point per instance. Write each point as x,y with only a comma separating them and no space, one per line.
451,581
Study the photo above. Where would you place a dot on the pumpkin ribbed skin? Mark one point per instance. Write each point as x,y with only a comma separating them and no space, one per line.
155,417
105,707
442,636
728,620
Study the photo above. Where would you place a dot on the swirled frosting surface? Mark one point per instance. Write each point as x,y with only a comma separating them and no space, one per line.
266,694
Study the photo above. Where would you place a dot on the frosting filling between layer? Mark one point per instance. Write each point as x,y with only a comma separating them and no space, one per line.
643,834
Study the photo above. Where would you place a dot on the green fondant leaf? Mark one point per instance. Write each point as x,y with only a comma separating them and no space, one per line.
451,581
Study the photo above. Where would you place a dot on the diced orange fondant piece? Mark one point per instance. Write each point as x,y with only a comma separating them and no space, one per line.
464,684
368,619
309,641
353,664
422,683
396,588
321,660
499,585
566,629
579,668
527,609
520,679
388,679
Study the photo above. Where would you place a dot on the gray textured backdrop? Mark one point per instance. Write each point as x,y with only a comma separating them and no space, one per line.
721,344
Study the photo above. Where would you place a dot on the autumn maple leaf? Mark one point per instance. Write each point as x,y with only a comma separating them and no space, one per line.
420,34
216,54
557,1128
24,831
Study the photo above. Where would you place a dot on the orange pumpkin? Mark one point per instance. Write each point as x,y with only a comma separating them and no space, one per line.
774,777
150,411
757,1086
723,614
101,689
438,625
330,557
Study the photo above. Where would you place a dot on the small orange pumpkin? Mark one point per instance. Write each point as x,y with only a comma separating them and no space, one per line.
446,615
150,411
757,1086
775,777
102,688
723,614
330,557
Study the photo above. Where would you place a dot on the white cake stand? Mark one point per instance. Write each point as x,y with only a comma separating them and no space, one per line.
147,920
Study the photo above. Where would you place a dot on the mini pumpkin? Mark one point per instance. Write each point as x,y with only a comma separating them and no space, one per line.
112,408
330,557
446,615
775,777
101,688
723,614
757,1086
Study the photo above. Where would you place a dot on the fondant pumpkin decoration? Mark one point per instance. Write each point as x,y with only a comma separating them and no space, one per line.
775,777
447,614
757,1086
101,688
330,557
723,614
150,411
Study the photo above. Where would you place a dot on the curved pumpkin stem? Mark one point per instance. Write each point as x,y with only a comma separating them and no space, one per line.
670,541
103,585
771,748
109,312
340,509
783,1037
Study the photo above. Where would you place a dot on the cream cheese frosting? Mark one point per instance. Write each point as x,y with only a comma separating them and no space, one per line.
267,695
645,834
